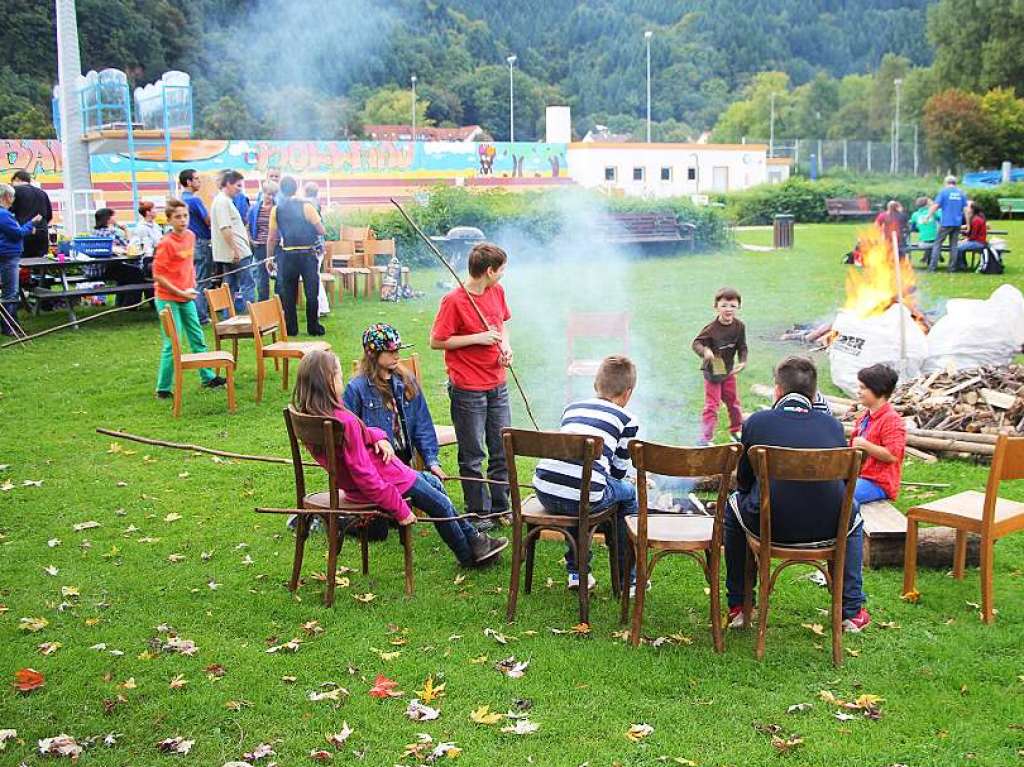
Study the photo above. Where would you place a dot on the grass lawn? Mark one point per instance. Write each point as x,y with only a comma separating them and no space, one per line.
177,544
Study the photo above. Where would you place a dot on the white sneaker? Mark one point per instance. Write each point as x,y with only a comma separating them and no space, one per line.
574,581
632,589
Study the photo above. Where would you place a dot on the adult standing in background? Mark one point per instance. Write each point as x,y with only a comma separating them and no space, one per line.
259,229
231,250
296,223
312,193
29,202
12,244
951,201
199,225
274,177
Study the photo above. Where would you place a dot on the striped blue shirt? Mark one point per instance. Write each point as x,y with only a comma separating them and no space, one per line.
593,418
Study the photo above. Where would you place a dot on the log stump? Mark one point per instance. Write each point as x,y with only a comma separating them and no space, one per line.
885,536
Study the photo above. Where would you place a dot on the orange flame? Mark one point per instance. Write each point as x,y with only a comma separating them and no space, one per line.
871,289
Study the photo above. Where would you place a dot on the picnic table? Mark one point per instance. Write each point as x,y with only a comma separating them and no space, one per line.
68,293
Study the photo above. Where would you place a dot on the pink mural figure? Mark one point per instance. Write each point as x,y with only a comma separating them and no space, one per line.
487,155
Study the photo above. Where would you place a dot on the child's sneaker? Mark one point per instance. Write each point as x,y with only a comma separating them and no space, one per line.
736,437
574,581
858,622
735,619
314,527
632,589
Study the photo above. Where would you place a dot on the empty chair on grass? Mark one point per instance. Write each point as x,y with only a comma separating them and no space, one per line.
613,326
230,327
369,471
985,514
266,317
201,361
175,278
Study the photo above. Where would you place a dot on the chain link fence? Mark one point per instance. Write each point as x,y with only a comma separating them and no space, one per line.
904,158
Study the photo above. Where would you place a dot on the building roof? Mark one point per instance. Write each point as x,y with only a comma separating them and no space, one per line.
425,133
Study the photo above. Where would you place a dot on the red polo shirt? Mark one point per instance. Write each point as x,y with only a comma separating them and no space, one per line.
885,428
477,367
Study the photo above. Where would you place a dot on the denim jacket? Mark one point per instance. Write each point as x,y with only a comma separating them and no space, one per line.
363,399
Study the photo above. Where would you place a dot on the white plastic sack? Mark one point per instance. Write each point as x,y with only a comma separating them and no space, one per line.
869,341
973,332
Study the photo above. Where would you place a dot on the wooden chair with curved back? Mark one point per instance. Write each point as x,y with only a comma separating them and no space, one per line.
216,359
264,316
694,535
799,465
234,326
325,436
530,518
986,514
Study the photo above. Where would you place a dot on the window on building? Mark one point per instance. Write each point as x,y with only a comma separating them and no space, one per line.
775,177
666,174
610,173
638,174
691,174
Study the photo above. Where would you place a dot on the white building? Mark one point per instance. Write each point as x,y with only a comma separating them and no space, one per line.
673,170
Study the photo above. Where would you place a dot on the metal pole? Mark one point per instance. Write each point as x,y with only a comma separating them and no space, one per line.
647,36
131,146
414,107
821,158
511,100
899,302
771,129
869,155
845,164
169,156
898,82
915,149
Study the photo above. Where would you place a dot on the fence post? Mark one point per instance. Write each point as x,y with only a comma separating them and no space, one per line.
821,158
915,149
869,155
845,165
796,152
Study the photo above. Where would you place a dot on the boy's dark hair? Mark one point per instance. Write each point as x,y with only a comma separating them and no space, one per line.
976,207
289,186
103,216
22,175
482,257
615,376
229,177
728,294
879,379
186,176
145,207
797,375
922,201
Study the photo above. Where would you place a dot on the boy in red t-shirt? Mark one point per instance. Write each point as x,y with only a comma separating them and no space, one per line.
881,433
175,278
476,356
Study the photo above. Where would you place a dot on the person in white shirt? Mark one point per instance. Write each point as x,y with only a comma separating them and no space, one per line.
147,232
231,249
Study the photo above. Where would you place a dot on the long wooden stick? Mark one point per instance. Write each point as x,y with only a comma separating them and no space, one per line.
472,301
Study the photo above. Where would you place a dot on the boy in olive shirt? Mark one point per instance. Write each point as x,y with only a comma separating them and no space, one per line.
722,347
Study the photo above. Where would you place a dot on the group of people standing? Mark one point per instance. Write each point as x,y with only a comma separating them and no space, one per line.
25,215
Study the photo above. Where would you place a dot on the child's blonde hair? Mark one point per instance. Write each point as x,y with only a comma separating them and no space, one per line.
615,376
315,384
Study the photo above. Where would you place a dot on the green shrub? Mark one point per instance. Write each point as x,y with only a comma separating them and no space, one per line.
988,197
538,216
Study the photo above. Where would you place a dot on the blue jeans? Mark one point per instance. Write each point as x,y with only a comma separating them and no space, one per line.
9,290
867,491
261,274
736,559
953,232
615,491
242,283
292,266
478,418
968,247
427,495
202,260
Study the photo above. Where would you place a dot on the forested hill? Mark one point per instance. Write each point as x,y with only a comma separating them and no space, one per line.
291,67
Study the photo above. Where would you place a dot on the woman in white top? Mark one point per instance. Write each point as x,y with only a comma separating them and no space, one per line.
147,232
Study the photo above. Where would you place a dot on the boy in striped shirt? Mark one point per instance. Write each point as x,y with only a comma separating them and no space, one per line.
558,482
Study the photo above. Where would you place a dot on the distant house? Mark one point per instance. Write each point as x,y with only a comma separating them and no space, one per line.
600,134
466,133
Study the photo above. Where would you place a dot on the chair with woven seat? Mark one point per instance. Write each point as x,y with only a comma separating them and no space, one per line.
694,535
799,465
530,518
216,359
326,437
234,326
985,514
264,315
592,325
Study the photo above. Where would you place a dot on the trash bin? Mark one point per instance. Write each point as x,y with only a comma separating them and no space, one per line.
782,231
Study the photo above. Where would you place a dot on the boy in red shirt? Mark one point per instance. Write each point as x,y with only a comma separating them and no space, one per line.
476,356
175,278
881,433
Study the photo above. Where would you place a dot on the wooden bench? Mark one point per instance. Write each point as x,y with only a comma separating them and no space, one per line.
1011,205
44,294
849,207
885,535
647,229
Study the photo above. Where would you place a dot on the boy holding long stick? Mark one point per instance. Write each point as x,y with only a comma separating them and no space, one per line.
476,357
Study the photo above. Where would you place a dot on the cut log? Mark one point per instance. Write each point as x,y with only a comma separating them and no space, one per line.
885,535
963,436
921,455
998,399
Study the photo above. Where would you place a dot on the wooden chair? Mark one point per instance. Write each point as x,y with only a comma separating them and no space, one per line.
772,463
357,235
266,314
182,362
235,326
593,325
325,436
328,279
986,514
372,251
531,516
696,536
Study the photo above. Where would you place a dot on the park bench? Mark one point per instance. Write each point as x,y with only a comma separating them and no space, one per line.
849,207
647,229
45,294
1011,205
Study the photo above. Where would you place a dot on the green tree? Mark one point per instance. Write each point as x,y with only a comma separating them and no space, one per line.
958,133
229,118
1005,113
978,43
391,106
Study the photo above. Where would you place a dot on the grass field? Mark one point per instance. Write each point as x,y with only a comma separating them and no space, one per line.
177,544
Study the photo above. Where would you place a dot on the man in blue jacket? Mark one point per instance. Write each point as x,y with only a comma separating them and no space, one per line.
803,513
199,224
951,201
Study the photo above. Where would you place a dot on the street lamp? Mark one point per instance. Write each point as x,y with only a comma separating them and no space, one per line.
898,82
413,107
647,36
511,100
771,129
